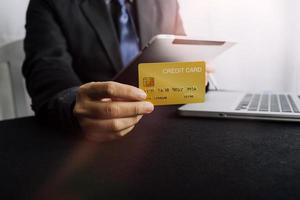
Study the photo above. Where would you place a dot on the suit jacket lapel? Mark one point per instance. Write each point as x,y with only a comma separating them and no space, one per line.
100,19
147,15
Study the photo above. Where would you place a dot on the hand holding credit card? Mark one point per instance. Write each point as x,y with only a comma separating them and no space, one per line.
173,82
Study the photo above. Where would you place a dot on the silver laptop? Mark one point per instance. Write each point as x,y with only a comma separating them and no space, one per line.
263,106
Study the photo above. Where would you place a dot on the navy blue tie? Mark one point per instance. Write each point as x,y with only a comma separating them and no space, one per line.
129,42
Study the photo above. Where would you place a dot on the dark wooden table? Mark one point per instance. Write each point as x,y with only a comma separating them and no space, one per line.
165,157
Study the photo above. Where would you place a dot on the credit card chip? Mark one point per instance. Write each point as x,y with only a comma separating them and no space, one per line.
149,82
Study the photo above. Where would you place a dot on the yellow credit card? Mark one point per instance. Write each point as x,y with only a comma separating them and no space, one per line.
173,82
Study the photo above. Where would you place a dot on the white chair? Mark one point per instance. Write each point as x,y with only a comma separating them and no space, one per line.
14,100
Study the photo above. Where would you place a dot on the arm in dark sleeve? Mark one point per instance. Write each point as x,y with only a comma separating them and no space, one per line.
50,79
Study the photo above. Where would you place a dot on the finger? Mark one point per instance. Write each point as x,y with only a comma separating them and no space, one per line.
100,90
110,125
210,69
126,131
111,110
106,137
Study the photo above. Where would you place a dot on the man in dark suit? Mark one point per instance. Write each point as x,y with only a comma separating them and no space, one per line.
74,47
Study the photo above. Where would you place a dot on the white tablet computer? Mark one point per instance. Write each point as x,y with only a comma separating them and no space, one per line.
171,48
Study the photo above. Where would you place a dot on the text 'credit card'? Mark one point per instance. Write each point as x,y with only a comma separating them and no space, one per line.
173,82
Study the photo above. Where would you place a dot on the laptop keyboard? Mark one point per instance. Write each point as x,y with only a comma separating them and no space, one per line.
268,103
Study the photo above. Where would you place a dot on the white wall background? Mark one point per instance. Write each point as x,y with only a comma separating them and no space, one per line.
12,20
266,32
293,43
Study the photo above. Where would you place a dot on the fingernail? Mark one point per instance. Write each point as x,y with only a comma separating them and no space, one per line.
142,94
149,107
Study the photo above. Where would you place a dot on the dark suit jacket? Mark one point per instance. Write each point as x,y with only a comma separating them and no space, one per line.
71,42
